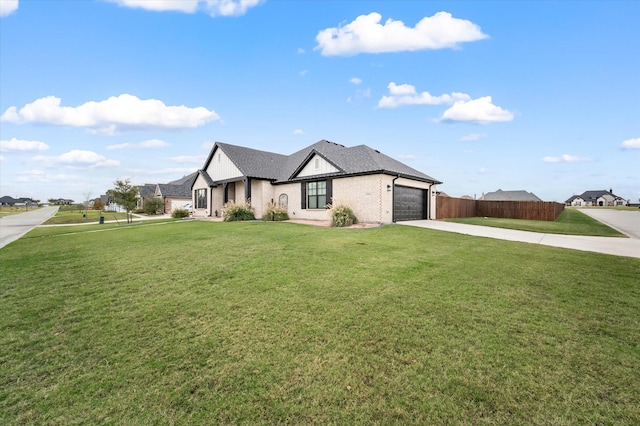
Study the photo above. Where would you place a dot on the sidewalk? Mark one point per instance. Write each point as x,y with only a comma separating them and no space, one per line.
608,245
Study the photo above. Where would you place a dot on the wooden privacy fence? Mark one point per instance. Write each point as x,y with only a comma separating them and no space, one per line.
449,208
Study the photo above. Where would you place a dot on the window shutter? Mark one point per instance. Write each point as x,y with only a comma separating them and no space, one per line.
329,191
303,195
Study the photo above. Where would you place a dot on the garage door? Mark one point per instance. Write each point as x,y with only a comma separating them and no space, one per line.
409,203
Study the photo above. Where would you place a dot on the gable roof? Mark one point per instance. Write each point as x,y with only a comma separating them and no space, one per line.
280,168
147,190
594,195
178,188
518,195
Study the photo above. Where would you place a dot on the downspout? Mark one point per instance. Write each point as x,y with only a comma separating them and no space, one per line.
429,196
393,199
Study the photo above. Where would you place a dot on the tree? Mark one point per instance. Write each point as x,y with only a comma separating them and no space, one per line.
126,195
152,205
98,205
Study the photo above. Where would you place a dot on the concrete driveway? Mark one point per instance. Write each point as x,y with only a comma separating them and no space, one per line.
609,245
625,221
15,226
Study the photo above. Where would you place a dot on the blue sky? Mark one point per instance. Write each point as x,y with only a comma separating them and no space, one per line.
540,96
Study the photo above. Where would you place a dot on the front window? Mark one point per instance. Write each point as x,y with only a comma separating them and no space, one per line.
317,195
201,198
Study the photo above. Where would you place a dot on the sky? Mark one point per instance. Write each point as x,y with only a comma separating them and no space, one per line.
541,96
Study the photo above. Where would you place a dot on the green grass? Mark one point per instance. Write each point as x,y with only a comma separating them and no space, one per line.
63,217
263,323
570,222
7,211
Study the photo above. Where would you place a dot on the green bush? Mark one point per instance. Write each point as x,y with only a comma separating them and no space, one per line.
152,205
274,212
342,215
232,211
180,213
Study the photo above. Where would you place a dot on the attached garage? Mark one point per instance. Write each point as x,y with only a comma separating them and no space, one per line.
409,203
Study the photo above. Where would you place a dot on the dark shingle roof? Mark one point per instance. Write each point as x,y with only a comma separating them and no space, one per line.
147,190
519,195
350,161
594,195
178,188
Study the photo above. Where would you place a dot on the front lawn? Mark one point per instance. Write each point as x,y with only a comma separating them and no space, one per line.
570,222
82,216
263,323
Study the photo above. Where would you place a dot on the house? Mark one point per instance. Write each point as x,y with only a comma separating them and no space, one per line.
596,198
7,201
519,195
377,187
145,191
175,194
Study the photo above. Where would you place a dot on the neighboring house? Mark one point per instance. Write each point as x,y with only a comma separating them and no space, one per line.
377,187
600,198
18,202
176,194
519,195
7,201
145,191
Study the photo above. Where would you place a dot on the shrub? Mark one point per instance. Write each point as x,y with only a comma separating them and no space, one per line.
342,215
232,211
275,212
180,213
152,205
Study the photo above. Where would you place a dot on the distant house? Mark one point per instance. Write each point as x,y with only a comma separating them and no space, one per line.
377,187
145,191
519,195
7,201
602,198
175,194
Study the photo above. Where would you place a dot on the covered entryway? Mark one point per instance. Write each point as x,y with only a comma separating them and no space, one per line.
409,203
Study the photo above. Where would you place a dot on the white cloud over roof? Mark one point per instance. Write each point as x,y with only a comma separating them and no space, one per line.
367,35
116,114
212,7
481,110
7,7
151,143
631,143
77,158
565,158
406,94
17,145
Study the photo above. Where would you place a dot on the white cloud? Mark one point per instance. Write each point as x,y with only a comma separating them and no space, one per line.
212,7
406,156
15,145
565,158
116,114
186,6
2,160
303,73
77,158
36,175
301,51
151,143
207,145
480,110
230,7
483,171
366,35
199,159
473,137
298,132
355,80
7,7
180,171
631,144
406,94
